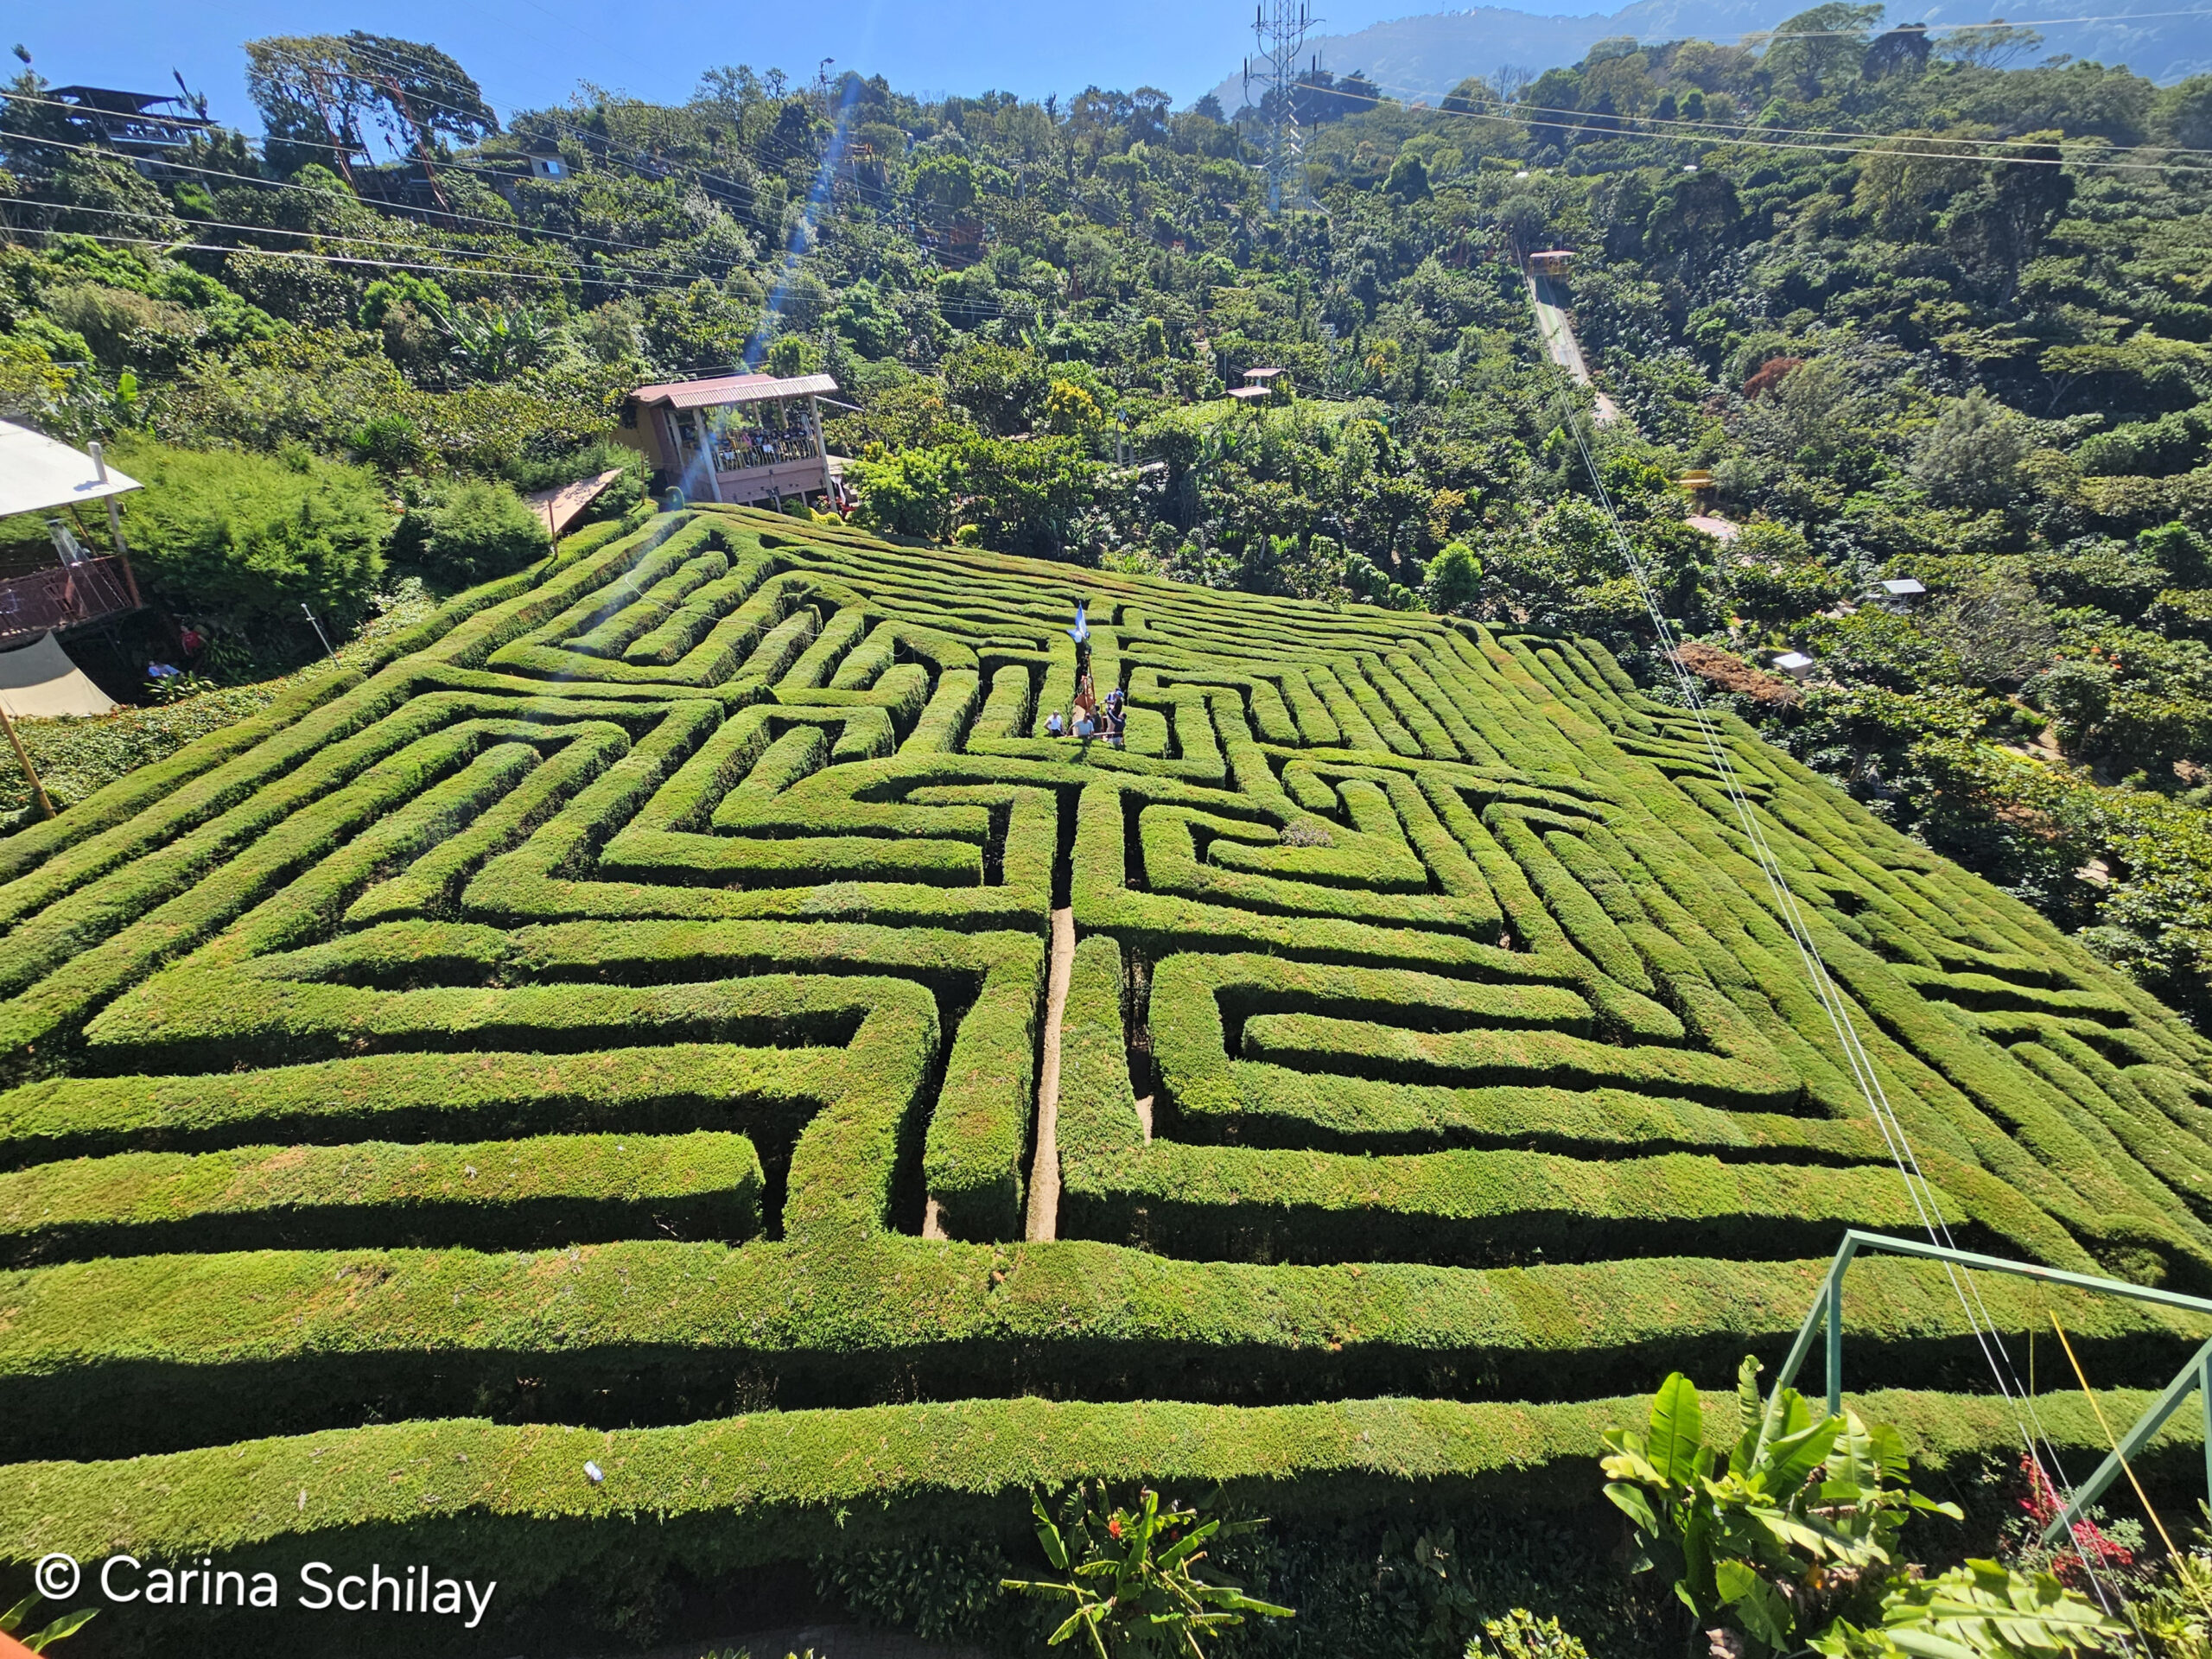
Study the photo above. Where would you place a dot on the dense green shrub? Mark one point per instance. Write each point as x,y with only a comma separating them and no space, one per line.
246,540
470,530
943,1590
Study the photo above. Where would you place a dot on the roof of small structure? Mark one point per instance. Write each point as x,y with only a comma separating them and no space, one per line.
1249,393
714,390
1902,588
36,472
114,99
1261,374
562,507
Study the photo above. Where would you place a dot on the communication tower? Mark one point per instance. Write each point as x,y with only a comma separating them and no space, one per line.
1278,30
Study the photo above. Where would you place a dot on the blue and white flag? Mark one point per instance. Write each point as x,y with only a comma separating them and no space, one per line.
1081,632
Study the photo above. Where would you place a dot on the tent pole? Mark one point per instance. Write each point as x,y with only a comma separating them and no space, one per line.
114,529
30,772
130,576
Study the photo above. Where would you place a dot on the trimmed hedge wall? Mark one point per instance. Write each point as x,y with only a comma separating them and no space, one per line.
525,1194
512,1502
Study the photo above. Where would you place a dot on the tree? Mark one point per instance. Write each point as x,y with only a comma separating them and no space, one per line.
1903,51
245,540
906,494
996,384
1988,46
945,182
1995,627
1524,218
1408,179
1817,51
1998,228
1971,456
2186,112
1695,215
866,322
1025,496
1454,580
315,93
792,355
1071,411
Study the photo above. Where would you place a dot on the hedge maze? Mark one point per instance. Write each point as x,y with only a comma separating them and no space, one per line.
682,1011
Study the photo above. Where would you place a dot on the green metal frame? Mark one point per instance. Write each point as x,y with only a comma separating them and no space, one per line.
1827,1312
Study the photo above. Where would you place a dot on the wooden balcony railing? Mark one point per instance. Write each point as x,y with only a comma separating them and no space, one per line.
63,595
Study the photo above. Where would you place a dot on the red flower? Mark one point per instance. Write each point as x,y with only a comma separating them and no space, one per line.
2092,1548
1113,1527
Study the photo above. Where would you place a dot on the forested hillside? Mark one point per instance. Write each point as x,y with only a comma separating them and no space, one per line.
1918,315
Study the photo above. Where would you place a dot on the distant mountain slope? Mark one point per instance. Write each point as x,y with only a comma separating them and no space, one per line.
1427,57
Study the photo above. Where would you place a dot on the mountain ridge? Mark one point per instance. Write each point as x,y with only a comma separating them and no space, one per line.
1420,57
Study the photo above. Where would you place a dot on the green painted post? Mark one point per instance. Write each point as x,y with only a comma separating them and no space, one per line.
2204,1399
2132,1444
1834,1294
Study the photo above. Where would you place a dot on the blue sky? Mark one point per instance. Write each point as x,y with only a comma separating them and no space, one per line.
531,53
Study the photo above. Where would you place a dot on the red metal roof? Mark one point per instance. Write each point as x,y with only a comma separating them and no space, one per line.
716,391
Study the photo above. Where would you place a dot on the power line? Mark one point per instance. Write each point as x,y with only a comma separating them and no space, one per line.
1728,133
640,166
260,182
676,284
172,245
585,136
487,262
521,231
1764,35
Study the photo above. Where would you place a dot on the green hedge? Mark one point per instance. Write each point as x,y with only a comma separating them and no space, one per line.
523,1194
97,1353
461,1096
509,1503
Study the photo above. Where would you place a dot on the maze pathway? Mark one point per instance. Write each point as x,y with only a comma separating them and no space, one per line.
613,1028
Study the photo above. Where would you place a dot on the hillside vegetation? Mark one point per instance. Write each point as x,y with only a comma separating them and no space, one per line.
1920,315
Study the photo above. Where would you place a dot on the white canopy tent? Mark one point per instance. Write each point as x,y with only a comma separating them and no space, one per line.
37,474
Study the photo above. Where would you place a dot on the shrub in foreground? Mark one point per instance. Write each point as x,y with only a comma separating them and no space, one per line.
246,540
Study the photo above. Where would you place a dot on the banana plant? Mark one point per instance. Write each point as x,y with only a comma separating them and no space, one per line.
1797,1522
40,1641
1976,1611
1133,1577
490,341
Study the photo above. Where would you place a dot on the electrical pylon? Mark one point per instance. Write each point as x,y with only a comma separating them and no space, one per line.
1279,28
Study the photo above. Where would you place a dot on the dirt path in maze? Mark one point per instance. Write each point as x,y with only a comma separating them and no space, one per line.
1044,1173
